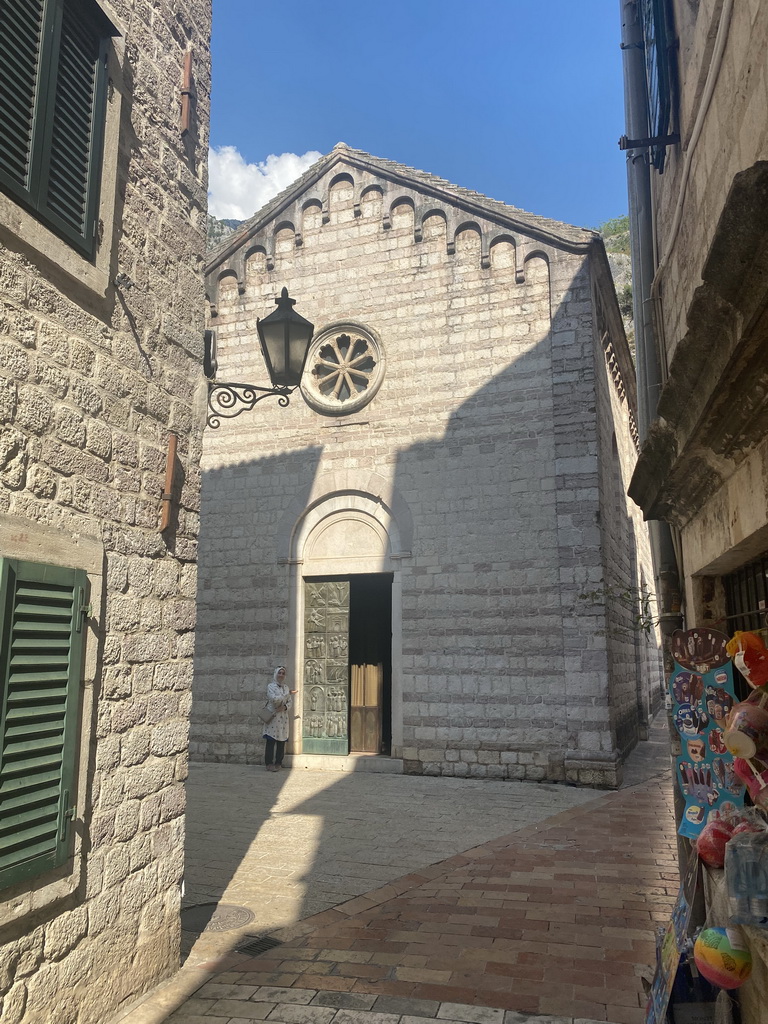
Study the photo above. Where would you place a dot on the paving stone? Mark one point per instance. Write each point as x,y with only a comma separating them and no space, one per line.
298,1013
345,1000
365,1017
604,860
240,1008
274,994
216,990
412,1007
474,1014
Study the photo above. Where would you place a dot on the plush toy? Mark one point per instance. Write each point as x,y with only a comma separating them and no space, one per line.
746,731
711,842
754,773
750,656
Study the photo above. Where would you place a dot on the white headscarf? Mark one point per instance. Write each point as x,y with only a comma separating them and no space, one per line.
280,668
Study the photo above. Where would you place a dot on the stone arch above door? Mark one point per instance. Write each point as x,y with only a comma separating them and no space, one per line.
347,520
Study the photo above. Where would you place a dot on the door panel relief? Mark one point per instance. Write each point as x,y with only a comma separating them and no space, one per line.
326,668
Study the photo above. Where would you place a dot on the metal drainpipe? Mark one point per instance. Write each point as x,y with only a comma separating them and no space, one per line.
666,572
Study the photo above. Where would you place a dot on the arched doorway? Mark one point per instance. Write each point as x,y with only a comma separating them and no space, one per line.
345,555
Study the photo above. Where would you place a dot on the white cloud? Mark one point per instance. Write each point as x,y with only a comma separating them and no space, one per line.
237,189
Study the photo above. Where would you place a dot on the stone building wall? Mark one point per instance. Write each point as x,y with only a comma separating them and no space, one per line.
94,377
631,627
480,446
732,136
704,466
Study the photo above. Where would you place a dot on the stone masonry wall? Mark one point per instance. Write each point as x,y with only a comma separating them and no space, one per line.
93,378
627,587
734,136
485,427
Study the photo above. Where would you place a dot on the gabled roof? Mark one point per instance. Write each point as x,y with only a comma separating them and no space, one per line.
553,232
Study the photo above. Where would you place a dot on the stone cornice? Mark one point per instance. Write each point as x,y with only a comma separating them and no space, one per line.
713,409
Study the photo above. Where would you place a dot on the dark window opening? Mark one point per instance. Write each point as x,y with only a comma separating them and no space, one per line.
746,606
660,71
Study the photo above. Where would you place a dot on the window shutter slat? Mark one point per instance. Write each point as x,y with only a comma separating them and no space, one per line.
40,670
21,27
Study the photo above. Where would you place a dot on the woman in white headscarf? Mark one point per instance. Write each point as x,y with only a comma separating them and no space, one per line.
276,731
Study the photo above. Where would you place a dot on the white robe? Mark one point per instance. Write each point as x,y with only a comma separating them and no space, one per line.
280,726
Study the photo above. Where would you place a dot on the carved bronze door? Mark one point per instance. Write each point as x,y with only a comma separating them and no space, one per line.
326,667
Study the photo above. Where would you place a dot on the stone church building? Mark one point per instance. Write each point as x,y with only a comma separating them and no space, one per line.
433,536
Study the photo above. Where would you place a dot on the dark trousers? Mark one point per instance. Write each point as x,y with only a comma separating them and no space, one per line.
273,753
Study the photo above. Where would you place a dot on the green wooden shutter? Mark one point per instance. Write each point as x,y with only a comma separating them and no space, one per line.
53,86
69,184
21,36
41,653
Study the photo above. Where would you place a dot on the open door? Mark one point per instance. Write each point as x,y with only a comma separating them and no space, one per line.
370,658
348,665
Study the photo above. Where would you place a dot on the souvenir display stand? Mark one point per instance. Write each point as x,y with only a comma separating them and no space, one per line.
721,756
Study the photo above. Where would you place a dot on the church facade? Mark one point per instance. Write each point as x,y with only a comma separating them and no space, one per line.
433,536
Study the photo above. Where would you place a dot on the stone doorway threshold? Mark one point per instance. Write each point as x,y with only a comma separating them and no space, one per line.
350,763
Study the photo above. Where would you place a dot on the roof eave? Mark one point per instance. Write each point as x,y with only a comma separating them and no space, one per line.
364,162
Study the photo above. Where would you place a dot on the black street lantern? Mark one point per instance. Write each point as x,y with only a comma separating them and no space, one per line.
285,338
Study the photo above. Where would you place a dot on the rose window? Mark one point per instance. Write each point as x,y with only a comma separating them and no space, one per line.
344,369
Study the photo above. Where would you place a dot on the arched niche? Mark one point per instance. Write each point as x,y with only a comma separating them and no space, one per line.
284,239
227,289
255,263
402,214
434,226
468,241
332,492
371,203
341,198
503,254
536,267
537,290
311,216
346,541
347,531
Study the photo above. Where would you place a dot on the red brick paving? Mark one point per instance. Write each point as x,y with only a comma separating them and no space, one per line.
558,920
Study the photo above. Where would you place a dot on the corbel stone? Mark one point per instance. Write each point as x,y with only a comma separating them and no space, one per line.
519,266
237,264
485,251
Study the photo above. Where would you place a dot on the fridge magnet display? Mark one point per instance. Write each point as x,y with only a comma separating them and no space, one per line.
702,692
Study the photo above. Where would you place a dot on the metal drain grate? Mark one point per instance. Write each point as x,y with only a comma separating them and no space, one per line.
256,945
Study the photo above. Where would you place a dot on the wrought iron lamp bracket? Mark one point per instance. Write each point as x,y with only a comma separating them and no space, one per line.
227,400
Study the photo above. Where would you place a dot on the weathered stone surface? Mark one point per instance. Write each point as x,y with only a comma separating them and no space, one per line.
486,474
89,383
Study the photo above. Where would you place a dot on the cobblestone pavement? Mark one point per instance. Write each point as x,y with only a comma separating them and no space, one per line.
295,843
397,897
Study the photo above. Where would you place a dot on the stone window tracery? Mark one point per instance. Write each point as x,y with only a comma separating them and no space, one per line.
344,369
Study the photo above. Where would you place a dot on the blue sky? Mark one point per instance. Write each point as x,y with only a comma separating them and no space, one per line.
518,99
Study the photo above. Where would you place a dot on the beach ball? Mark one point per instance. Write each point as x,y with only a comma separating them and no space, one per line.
719,961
